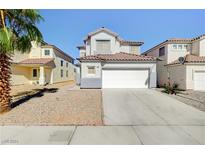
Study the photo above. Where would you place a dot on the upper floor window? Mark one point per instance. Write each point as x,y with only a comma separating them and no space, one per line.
133,49
67,64
103,45
46,52
162,51
180,46
82,54
61,62
174,46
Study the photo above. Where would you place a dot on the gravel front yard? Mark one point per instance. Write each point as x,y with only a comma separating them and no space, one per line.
57,106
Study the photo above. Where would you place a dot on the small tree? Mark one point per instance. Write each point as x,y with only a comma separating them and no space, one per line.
17,30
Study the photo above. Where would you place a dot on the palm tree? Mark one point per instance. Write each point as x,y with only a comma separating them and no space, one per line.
17,30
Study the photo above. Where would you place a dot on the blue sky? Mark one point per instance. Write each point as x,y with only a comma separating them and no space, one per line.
67,28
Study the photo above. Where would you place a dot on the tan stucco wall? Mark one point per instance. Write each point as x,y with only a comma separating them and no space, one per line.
20,75
177,75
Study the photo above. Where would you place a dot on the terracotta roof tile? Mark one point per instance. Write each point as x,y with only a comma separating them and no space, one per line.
122,56
40,61
190,59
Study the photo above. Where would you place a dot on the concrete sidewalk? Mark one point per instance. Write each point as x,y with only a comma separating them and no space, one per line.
119,135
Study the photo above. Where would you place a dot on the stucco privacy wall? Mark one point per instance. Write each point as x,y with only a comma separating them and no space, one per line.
177,74
95,81
20,75
190,69
161,69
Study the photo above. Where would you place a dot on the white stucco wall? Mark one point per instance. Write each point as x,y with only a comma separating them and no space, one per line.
115,44
174,54
202,48
84,70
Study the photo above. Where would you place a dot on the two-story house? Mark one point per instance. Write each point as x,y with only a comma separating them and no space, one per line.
189,70
108,61
44,64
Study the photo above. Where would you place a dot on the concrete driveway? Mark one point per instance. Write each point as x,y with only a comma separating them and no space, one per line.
147,107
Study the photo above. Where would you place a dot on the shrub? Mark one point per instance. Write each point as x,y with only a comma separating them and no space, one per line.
171,89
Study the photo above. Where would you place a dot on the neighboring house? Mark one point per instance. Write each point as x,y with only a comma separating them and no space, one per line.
44,64
190,74
107,61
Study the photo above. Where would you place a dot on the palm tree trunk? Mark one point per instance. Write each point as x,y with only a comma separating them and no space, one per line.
5,72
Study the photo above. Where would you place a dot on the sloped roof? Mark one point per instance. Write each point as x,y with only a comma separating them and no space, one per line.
190,59
176,40
41,61
122,56
100,30
122,42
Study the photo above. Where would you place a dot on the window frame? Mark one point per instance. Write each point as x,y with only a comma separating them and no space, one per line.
160,50
47,50
175,45
34,69
100,40
61,73
91,73
67,74
61,63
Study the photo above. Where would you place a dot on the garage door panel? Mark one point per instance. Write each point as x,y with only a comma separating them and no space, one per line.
199,80
125,78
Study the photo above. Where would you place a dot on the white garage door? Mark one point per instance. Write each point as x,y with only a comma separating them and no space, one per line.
125,78
199,80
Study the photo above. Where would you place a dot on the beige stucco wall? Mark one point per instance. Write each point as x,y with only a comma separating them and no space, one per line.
177,75
57,70
20,75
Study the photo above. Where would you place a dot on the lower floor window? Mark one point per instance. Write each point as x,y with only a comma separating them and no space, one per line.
91,69
61,73
66,73
34,73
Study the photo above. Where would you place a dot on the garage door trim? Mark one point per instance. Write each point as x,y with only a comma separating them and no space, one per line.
117,68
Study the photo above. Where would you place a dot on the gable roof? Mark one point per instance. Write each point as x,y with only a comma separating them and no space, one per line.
122,56
108,31
102,29
176,40
59,52
189,59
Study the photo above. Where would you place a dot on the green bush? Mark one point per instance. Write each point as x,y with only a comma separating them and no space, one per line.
171,89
